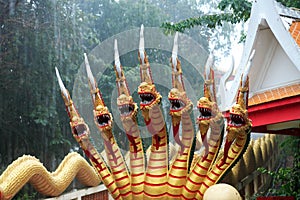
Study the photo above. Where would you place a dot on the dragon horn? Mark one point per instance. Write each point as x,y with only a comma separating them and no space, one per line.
177,81
145,70
121,80
209,87
72,112
142,46
95,92
175,50
242,97
64,91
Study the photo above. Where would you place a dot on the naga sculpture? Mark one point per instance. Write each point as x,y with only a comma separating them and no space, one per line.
188,174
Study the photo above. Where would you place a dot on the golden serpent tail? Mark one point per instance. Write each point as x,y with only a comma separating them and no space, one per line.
28,169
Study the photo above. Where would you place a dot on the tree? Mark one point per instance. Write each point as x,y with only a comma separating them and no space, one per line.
35,37
232,11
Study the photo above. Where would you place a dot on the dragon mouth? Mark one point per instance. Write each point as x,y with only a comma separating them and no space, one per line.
147,98
176,105
80,130
126,109
236,120
204,113
103,120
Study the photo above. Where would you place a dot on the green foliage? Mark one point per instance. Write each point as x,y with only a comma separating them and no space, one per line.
36,36
41,115
232,11
26,194
286,179
290,3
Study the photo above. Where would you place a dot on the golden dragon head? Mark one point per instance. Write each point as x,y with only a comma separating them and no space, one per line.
127,107
238,115
207,105
239,125
79,128
102,117
147,91
179,101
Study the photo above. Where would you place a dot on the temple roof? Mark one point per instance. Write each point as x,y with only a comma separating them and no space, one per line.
274,93
274,34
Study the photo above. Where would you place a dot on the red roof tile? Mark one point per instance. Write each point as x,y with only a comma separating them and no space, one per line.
275,94
295,31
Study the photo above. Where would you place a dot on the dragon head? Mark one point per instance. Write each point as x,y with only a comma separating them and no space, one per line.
207,105
238,123
149,95
179,102
177,96
127,107
207,110
238,116
147,92
238,120
102,117
79,128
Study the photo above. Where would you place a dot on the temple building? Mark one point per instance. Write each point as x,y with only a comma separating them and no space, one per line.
274,98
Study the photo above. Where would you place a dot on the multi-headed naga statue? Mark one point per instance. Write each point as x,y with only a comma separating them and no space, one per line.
187,174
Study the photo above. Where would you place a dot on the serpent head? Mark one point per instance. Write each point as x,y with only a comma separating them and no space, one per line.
80,130
238,119
205,107
103,118
179,102
149,95
127,108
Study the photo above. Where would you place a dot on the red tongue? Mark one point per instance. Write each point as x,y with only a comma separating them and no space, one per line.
176,136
